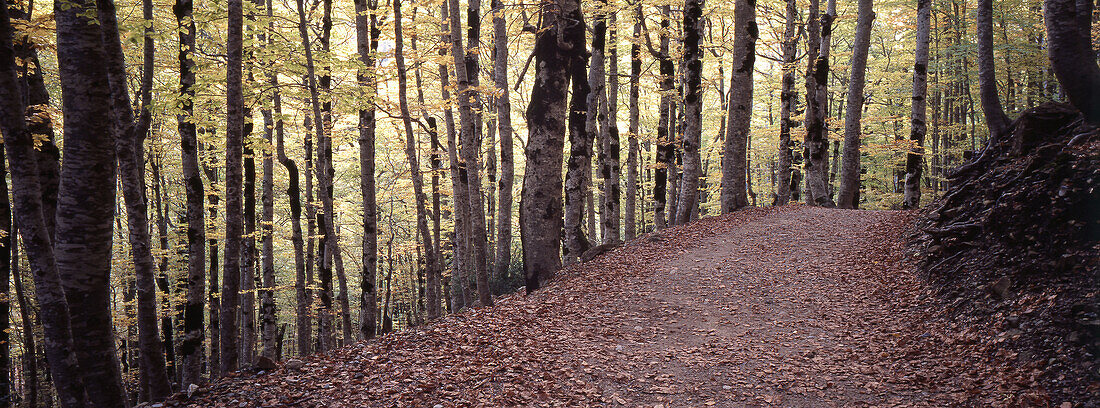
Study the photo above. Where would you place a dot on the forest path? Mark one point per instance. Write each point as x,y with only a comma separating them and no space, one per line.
792,306
780,310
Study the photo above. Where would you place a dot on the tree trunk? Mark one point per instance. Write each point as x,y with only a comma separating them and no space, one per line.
302,321
435,275
86,97
995,118
320,170
30,350
214,301
815,149
466,75
693,110
630,205
1072,57
128,136
610,169
666,147
459,189
248,246
6,241
560,38
268,313
848,195
504,132
914,161
583,112
734,161
234,145
326,226
367,33
431,262
788,102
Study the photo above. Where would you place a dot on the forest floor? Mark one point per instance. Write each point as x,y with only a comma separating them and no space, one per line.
792,306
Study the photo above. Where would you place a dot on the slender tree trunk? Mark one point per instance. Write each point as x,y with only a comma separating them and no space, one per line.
319,126
465,75
168,312
914,160
86,97
815,149
326,226
268,316
610,169
30,349
1071,54
666,145
128,136
6,241
435,275
248,246
735,160
995,118
342,298
302,321
234,211
214,301
693,110
458,187
583,114
431,262
848,195
560,37
367,33
630,205
788,101
504,132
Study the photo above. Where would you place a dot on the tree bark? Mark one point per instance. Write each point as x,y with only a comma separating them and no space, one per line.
1072,57
560,37
610,169
431,262
995,119
465,75
128,136
848,195
583,113
234,211
693,109
30,350
268,313
214,301
6,388
914,160
788,102
459,191
734,161
86,97
367,33
815,149
630,205
504,132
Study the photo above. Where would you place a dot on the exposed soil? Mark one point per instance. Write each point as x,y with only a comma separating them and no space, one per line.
791,306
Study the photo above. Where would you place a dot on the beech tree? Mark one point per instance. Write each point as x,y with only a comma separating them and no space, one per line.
848,195
995,119
234,205
788,102
693,109
560,37
914,161
734,195
1069,28
83,44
